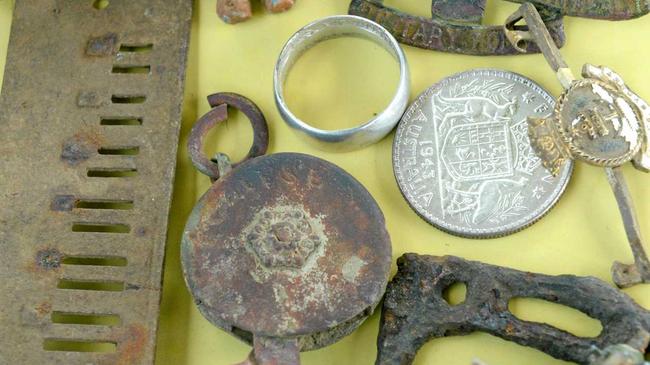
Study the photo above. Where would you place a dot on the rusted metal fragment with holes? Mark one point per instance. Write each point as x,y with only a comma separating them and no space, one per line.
415,311
89,122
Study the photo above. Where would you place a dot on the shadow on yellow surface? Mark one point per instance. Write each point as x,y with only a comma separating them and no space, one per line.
344,82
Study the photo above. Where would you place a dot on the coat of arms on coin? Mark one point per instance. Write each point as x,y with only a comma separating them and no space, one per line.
463,160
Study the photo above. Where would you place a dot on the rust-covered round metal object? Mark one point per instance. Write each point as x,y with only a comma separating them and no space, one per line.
287,245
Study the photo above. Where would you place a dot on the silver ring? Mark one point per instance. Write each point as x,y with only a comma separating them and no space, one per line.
337,27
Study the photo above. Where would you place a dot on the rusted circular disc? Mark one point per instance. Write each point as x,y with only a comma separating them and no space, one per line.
286,245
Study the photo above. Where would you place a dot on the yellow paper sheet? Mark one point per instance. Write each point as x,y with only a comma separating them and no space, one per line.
341,83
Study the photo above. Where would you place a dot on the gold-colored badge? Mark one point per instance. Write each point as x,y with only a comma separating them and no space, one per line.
597,119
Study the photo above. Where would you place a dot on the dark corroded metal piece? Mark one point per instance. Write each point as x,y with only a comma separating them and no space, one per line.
415,311
612,355
89,123
237,11
219,113
597,9
620,355
287,252
599,120
466,11
450,29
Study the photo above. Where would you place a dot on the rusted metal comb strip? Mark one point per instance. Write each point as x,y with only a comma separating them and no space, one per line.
89,122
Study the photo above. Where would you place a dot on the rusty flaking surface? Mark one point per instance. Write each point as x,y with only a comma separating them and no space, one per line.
134,344
455,26
287,245
415,311
58,90
597,9
220,103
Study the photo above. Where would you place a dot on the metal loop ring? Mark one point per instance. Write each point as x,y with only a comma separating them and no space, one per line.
219,113
337,27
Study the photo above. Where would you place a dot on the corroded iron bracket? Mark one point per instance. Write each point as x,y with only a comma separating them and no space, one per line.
454,27
415,311
596,9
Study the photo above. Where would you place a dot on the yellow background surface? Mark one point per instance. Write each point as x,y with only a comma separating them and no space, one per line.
341,83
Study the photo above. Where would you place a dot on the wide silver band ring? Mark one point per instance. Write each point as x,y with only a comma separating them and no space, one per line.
337,27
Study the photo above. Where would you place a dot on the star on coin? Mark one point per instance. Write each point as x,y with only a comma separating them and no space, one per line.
528,98
537,192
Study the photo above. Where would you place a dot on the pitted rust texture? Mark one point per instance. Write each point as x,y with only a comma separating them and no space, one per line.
59,258
451,30
597,9
613,355
237,11
470,11
63,203
415,311
80,148
287,252
219,113
339,236
619,355
271,351
49,259
103,45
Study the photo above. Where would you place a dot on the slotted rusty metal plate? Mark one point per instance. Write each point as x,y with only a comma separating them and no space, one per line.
89,122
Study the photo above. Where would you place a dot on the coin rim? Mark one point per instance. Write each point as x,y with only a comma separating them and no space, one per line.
476,233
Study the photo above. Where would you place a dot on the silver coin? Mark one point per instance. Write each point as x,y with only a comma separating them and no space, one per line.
463,160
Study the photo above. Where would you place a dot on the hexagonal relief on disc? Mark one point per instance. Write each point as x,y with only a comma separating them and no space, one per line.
284,237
